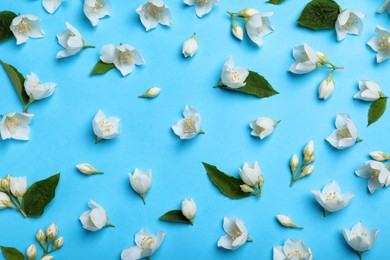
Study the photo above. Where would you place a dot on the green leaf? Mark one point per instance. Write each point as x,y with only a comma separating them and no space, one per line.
228,185
17,81
377,109
175,216
319,14
101,67
256,85
39,195
6,18
11,253
275,2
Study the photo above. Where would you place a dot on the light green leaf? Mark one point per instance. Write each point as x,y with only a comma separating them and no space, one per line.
11,253
39,195
319,14
227,184
17,81
256,85
175,216
275,2
101,67
6,18
377,109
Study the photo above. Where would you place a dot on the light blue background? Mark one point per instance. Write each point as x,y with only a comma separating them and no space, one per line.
62,134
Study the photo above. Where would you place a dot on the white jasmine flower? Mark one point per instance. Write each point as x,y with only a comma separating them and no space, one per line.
72,41
248,12
237,31
349,22
258,26
369,91
47,257
140,182
18,186
31,252
188,209
52,231
51,5
190,126
190,46
86,168
5,200
292,249
385,7
306,59
153,12
331,198
379,156
263,127
250,173
105,128
37,90
151,93
96,9
376,173
202,7
15,125
233,77
360,238
237,234
326,88
96,218
123,56
346,133
380,43
286,221
146,245
26,26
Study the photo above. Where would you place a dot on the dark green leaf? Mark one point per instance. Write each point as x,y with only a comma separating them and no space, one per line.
6,18
275,2
39,195
377,108
256,85
17,80
227,184
319,14
175,216
101,67
11,253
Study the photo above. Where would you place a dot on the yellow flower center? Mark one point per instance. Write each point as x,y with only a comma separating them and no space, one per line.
189,125
350,22
98,6
125,57
305,56
234,232
147,242
106,126
295,253
153,11
331,196
202,2
24,27
36,84
12,124
384,42
356,234
343,133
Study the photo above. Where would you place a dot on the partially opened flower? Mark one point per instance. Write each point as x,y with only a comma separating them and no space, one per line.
153,12
369,91
202,7
140,182
188,209
231,76
190,126
15,125
326,88
259,26
26,26
360,238
146,245
263,127
349,22
190,46
292,249
237,233
306,59
105,128
123,56
18,186
250,173
376,173
51,5
96,218
37,90
96,9
346,133
72,41
380,43
385,7
331,199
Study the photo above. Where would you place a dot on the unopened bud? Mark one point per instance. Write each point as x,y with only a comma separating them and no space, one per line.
307,171
51,232
41,237
379,156
246,188
87,169
248,12
321,56
48,257
237,31
31,252
151,93
58,243
294,162
309,150
261,181
5,184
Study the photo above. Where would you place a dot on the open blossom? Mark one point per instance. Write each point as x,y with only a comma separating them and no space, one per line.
233,77
306,59
146,245
292,249
140,182
26,26
346,133
385,7
123,56
188,209
202,7
360,238
18,186
15,125
153,12
94,219
376,173
326,88
263,127
190,126
37,90
51,5
380,43
96,9
72,41
105,128
258,26
331,199
237,233
349,22
190,46
250,173
369,91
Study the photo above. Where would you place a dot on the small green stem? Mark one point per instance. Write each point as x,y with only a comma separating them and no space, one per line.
326,212
360,254
17,205
143,198
98,139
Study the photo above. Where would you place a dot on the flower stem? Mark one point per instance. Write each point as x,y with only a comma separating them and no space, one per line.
143,198
17,205
360,254
326,212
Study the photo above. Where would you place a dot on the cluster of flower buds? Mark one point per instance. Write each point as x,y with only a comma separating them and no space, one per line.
12,190
46,240
298,170
252,178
